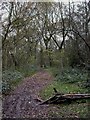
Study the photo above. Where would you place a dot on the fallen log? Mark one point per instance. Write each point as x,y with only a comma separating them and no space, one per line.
65,98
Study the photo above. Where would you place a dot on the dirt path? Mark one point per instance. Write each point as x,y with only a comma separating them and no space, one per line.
22,103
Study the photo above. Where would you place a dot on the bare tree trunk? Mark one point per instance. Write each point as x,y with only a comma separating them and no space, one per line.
9,23
41,54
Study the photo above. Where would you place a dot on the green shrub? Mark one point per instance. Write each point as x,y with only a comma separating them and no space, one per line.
55,71
70,75
28,70
8,77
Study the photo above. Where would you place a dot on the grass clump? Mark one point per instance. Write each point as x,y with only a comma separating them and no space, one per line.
62,88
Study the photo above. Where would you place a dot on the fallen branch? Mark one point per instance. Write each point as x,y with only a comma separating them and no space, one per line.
65,98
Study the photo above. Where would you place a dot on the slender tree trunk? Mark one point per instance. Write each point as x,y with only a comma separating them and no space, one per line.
14,61
41,54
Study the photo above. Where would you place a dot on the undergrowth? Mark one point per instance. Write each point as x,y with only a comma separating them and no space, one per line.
11,77
68,80
70,75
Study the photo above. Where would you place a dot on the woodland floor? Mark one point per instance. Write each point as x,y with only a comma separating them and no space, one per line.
22,103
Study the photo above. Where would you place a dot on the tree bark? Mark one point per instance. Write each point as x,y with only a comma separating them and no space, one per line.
60,98
9,23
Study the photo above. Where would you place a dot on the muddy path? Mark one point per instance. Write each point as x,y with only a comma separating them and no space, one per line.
22,102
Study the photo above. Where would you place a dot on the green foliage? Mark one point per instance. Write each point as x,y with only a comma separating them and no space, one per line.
28,69
70,75
62,88
9,78
67,80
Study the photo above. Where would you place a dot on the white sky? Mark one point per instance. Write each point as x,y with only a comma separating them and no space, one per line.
65,1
